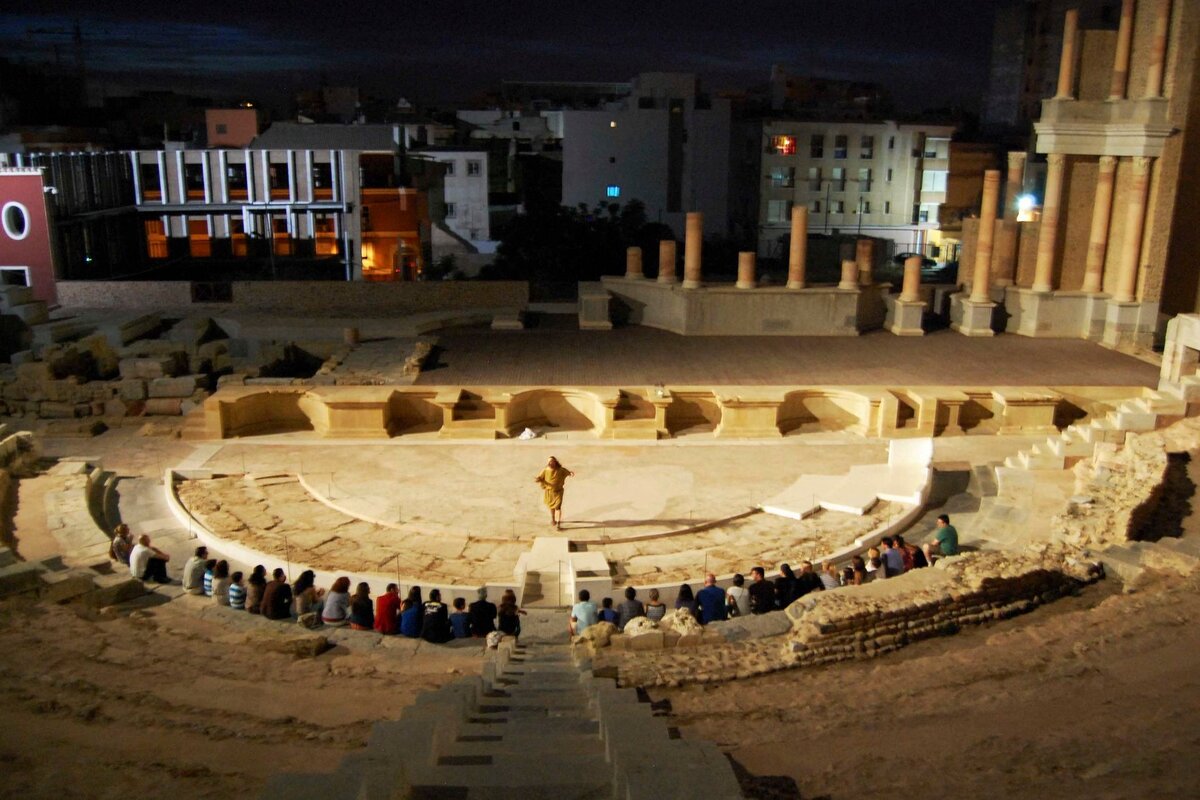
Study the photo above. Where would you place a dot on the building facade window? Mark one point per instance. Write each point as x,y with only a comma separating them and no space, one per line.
889,175
838,206
864,179
867,147
449,168
784,145
451,210
15,219
474,168
779,210
815,206
887,206
783,177
612,190
839,179
933,180
814,179
816,146
891,143
840,145
864,206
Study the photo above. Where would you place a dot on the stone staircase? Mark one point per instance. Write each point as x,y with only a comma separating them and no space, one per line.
533,727
1078,441
1127,561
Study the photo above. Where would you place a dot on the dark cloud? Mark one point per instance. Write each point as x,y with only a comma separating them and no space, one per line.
926,53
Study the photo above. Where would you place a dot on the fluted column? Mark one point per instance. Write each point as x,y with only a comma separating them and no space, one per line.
746,265
1093,273
1158,49
692,243
982,283
1043,274
633,263
1120,73
911,290
864,256
666,261
1015,180
1135,221
1066,65
798,251
849,275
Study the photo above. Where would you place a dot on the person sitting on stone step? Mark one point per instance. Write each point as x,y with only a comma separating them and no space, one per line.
237,592
460,620
435,619
306,598
508,616
655,608
336,610
206,581
944,541
256,584
711,601
893,560
387,610
362,610
607,612
738,597
483,615
629,609
808,580
905,553
221,583
762,594
277,597
410,619
148,562
785,587
686,600
193,571
584,614
829,576
121,545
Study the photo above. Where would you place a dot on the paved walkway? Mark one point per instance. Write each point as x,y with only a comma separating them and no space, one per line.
559,353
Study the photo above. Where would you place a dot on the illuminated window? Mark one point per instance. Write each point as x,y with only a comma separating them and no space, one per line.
839,179
839,206
840,144
612,123
779,210
451,210
612,190
473,167
865,205
814,179
933,180
816,145
15,219
864,179
783,177
867,147
784,145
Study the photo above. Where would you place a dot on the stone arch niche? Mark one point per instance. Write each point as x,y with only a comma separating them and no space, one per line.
411,412
808,411
561,409
268,412
693,412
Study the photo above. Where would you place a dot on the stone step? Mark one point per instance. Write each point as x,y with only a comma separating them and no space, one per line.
545,726
504,741
1123,562
1183,545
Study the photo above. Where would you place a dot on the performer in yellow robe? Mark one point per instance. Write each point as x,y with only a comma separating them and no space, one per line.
552,479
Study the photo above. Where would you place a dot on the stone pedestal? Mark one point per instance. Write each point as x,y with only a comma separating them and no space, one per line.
1055,315
864,256
594,307
666,261
1025,411
692,245
745,276
849,275
633,263
1122,325
976,318
905,317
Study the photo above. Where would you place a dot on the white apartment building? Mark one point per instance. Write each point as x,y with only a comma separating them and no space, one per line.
880,179
465,183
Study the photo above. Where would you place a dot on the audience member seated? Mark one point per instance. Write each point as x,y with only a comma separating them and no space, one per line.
255,585
859,569
829,576
221,583
630,608
277,597
148,562
874,563
362,609
237,592
307,598
410,619
483,615
785,587
808,580
387,610
738,597
508,616
686,600
207,580
944,541
435,619
193,571
336,610
905,553
893,559
762,594
460,620
917,555
607,612
584,614
121,545
655,608
711,601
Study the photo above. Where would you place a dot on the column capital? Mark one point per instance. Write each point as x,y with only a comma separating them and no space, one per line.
1108,163
1016,159
1142,163
1056,159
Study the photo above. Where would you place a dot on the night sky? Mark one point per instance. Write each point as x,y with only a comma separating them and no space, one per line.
931,53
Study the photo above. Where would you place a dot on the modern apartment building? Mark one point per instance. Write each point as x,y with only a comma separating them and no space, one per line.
879,179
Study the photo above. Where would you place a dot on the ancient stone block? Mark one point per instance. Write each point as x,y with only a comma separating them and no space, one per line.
132,389
53,409
148,368
650,640
165,406
183,386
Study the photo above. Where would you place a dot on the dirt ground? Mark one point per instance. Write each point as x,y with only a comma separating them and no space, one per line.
1096,696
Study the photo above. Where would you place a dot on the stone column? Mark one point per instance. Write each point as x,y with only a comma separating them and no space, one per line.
692,244
633,263
1014,182
1093,273
1135,220
864,256
1120,74
798,252
982,283
1043,274
1158,49
849,275
911,291
1066,65
666,261
746,264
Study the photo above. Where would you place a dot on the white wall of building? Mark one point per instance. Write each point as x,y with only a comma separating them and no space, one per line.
466,189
